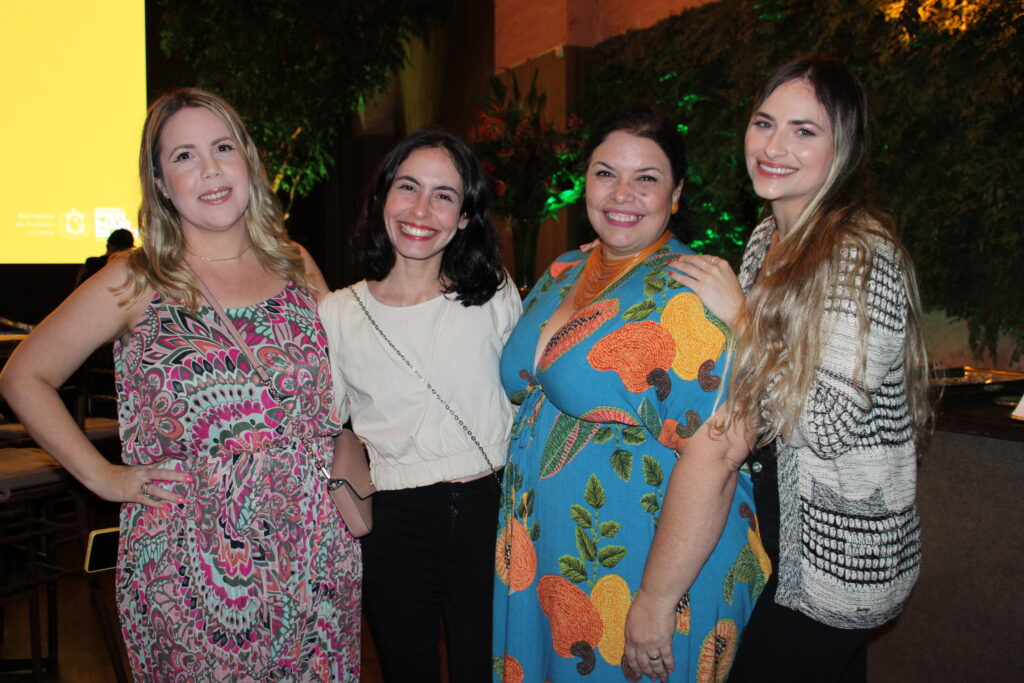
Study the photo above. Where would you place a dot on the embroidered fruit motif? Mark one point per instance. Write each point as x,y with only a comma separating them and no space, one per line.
717,652
675,434
683,614
707,381
575,624
581,326
754,538
559,269
640,353
697,339
605,414
513,671
515,559
610,596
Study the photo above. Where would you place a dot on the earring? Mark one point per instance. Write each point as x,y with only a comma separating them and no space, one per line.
675,208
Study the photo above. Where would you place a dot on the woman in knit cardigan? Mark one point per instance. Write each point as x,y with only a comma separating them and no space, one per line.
828,385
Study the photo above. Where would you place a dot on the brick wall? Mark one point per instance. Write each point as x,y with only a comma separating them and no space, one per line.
527,28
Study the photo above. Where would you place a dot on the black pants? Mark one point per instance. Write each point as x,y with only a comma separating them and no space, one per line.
430,557
781,645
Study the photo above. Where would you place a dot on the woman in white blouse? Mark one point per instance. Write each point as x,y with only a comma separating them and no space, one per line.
435,309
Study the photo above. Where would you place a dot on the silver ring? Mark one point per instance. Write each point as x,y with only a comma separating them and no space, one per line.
144,489
652,660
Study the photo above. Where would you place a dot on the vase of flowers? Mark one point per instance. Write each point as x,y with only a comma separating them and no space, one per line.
531,165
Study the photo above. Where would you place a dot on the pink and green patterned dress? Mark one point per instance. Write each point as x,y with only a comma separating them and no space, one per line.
254,577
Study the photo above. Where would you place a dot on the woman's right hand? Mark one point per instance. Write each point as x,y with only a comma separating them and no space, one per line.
711,278
144,484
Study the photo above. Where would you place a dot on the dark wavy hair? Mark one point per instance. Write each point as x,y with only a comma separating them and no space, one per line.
471,262
647,121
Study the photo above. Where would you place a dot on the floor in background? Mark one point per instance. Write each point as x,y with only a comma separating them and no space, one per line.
82,654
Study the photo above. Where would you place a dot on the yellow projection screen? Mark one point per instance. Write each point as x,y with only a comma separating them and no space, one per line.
74,89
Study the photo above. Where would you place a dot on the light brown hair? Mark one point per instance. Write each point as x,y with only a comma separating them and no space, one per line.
832,246
159,263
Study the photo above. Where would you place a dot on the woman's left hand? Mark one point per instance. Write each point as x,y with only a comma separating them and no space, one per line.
711,278
649,630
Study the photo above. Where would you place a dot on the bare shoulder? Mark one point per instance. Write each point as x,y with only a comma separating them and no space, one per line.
118,281
314,278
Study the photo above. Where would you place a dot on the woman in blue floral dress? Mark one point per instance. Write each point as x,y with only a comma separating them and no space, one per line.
616,367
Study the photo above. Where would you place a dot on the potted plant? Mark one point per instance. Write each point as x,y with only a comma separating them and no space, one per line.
530,164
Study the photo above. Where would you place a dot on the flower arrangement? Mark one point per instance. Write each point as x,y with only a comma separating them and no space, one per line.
531,164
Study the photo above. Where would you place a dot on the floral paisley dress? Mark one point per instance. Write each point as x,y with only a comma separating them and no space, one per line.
616,391
254,577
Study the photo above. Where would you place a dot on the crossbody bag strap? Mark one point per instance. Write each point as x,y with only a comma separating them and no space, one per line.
258,367
428,385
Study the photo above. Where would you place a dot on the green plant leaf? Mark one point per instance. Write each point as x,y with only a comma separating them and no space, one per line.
639,311
566,439
593,493
654,287
649,501
585,545
611,555
634,436
609,529
572,568
654,475
649,416
622,464
604,435
581,516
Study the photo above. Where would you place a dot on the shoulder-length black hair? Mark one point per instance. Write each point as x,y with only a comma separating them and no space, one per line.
471,262
647,121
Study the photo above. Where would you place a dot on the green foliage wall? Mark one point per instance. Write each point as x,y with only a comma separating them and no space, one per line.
945,84
294,70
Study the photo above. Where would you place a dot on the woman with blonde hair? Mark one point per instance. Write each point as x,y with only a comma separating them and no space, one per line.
829,381
233,564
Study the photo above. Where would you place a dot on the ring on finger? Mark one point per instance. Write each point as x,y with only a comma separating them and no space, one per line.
144,489
653,660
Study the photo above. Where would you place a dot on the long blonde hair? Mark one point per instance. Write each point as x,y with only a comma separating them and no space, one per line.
160,262
833,245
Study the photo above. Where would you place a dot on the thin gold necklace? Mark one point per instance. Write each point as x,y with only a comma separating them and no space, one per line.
217,260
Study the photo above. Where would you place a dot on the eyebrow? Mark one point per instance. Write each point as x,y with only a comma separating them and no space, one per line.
645,169
189,145
418,183
795,122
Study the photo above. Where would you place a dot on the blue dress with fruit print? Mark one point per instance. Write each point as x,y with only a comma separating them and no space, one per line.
615,393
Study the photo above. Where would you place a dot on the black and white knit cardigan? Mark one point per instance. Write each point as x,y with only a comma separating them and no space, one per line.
849,536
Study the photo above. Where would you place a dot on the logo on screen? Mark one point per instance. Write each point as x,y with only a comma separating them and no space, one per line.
74,222
108,220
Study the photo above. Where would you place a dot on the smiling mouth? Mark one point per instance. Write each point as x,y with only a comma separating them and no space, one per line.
623,218
776,170
214,196
419,231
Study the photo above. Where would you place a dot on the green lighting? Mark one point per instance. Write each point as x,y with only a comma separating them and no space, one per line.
670,74
683,128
